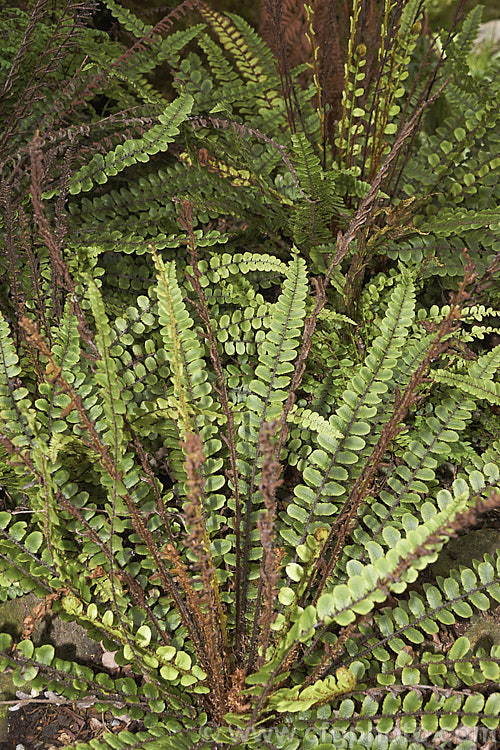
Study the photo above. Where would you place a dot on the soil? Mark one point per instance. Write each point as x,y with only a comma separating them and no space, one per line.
43,726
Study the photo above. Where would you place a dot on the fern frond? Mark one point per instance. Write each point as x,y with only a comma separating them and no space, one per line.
465,38
321,692
224,73
252,56
17,418
157,139
314,422
369,584
315,211
265,402
189,378
485,389
107,378
337,460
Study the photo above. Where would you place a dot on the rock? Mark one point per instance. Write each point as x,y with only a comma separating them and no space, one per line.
484,631
69,639
7,690
488,33
464,549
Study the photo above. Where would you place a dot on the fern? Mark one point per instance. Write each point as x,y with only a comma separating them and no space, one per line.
248,378
348,595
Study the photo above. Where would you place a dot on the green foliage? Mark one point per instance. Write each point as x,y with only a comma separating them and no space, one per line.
248,378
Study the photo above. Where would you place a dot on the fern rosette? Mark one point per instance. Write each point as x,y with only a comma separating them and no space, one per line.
248,376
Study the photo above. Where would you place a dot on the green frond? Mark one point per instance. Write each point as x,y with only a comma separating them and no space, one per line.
191,77
322,691
279,348
268,390
16,417
224,73
370,584
128,20
221,266
314,422
410,15
189,376
485,389
256,46
105,692
477,381
330,466
153,48
251,55
436,440
459,595
106,376
313,213
428,448
467,35
456,222
157,139
162,737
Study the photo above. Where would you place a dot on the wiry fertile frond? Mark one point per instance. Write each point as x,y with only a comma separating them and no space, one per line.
14,70
379,108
